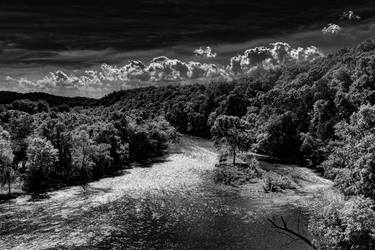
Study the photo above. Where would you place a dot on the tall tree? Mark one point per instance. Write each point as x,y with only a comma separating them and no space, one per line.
233,132
6,159
41,157
86,152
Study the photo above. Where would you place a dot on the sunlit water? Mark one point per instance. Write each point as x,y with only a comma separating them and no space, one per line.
171,204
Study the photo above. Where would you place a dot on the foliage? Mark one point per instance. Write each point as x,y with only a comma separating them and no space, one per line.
280,137
7,97
84,152
273,182
352,161
150,138
41,156
6,158
88,143
343,224
233,132
30,107
237,175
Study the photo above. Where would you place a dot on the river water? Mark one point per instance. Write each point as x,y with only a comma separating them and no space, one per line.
169,204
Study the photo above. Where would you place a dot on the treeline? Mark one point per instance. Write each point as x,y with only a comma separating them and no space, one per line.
191,109
48,149
7,97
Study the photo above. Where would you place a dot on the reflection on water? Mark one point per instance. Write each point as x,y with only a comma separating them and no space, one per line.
171,205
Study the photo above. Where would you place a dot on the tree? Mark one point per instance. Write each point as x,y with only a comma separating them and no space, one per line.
235,105
29,106
86,151
343,224
150,139
41,157
6,159
280,137
106,133
54,130
352,161
232,131
322,121
20,127
312,150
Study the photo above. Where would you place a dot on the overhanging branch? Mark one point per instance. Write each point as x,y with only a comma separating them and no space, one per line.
285,228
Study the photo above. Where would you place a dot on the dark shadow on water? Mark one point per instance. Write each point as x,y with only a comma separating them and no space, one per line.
89,190
38,197
150,163
6,197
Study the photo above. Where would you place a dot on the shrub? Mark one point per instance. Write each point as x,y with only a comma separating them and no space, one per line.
237,175
273,182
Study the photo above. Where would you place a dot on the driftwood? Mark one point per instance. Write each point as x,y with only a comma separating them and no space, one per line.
285,228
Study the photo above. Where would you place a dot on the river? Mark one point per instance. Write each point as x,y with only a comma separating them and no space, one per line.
172,203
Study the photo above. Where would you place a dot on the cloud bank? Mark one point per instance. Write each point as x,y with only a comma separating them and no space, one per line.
331,29
350,15
278,53
205,52
163,70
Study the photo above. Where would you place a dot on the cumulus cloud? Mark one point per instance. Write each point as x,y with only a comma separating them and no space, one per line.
331,29
205,52
134,74
162,69
350,15
278,53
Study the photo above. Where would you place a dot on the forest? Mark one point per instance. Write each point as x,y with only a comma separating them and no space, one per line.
48,149
320,115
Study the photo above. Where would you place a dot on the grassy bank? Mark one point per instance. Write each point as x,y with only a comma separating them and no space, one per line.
261,175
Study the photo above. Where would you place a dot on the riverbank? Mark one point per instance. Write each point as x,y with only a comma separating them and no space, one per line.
304,182
292,184
18,190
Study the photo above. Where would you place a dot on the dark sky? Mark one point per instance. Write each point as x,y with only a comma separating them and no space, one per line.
140,24
42,36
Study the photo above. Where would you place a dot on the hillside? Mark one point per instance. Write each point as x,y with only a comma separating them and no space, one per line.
7,97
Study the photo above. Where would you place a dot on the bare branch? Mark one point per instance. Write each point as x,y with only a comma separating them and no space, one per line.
284,223
288,230
287,235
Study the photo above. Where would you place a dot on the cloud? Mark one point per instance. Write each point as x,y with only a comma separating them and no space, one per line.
161,70
278,53
331,29
205,52
134,74
350,15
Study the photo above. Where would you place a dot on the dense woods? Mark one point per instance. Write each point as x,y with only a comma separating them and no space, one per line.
320,115
47,149
7,97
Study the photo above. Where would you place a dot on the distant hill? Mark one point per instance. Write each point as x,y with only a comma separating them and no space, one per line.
7,97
